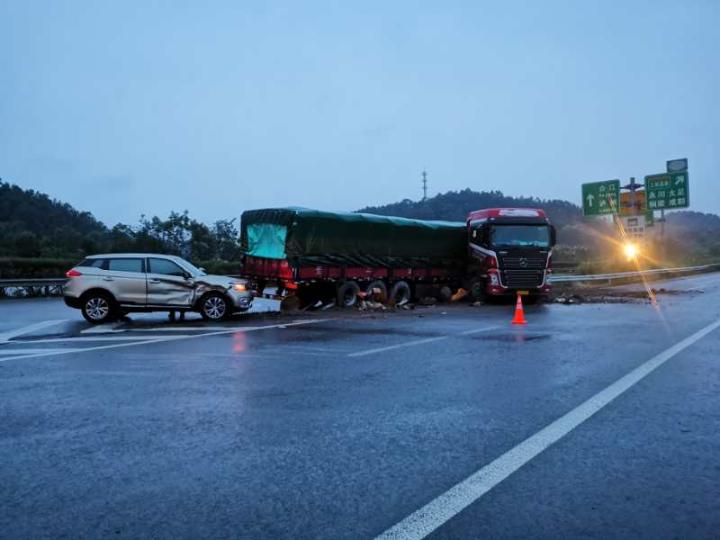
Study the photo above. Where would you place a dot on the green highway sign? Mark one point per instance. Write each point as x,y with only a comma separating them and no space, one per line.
667,191
599,198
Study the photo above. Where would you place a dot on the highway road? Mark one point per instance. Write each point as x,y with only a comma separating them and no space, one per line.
593,421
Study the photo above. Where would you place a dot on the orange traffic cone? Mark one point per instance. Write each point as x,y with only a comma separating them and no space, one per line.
519,317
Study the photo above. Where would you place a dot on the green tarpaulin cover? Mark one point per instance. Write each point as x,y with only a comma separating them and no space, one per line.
313,237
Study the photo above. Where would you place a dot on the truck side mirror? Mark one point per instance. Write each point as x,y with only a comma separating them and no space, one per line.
553,235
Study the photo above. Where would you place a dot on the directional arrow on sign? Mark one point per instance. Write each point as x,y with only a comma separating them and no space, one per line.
604,193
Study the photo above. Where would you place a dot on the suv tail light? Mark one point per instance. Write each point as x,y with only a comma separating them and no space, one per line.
72,273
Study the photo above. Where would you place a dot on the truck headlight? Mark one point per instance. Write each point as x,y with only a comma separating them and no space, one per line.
494,279
631,251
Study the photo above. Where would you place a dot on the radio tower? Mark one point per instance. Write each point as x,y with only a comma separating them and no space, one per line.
424,177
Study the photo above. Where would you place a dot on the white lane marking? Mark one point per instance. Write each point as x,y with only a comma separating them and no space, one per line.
88,339
398,346
31,351
161,340
416,342
5,336
424,521
477,330
178,328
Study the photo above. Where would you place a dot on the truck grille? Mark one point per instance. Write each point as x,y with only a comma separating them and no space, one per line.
523,263
522,272
518,279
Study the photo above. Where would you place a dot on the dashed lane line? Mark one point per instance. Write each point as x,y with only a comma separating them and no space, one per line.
6,336
427,519
166,339
413,343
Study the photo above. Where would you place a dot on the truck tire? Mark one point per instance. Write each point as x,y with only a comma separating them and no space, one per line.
400,293
477,290
347,294
377,284
445,294
290,303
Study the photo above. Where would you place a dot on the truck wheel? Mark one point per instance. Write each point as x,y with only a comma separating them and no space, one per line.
477,290
444,294
290,303
400,293
98,308
375,285
347,294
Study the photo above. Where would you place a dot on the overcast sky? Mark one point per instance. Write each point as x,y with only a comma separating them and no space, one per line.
132,107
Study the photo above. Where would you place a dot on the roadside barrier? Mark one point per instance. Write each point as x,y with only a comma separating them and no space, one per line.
572,278
32,286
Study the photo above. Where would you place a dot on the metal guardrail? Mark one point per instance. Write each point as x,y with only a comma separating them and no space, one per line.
33,282
33,286
564,278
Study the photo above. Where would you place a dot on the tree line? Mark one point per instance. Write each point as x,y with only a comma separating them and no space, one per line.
32,225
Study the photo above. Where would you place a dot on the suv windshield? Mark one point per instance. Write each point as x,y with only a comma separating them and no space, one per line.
520,235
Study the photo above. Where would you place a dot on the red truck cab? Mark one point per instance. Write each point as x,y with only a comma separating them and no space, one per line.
510,251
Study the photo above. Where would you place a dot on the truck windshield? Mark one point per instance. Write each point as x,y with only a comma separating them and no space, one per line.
520,236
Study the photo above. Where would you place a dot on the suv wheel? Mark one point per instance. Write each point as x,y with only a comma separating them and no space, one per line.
98,308
214,307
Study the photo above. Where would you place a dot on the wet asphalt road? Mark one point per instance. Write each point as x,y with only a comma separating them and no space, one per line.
334,425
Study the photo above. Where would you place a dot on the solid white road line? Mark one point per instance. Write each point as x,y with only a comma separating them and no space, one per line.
5,336
32,351
88,339
424,521
416,342
163,339
178,328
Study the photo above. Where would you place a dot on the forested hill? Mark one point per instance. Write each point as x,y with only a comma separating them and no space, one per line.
31,223
456,205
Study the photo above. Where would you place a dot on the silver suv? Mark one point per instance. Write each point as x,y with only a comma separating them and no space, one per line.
106,287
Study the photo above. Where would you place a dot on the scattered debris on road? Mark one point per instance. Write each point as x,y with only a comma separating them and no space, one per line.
598,295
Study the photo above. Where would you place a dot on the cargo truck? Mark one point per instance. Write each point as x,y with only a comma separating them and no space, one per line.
312,256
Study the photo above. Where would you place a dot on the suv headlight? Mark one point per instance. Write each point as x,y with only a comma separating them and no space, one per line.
239,287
